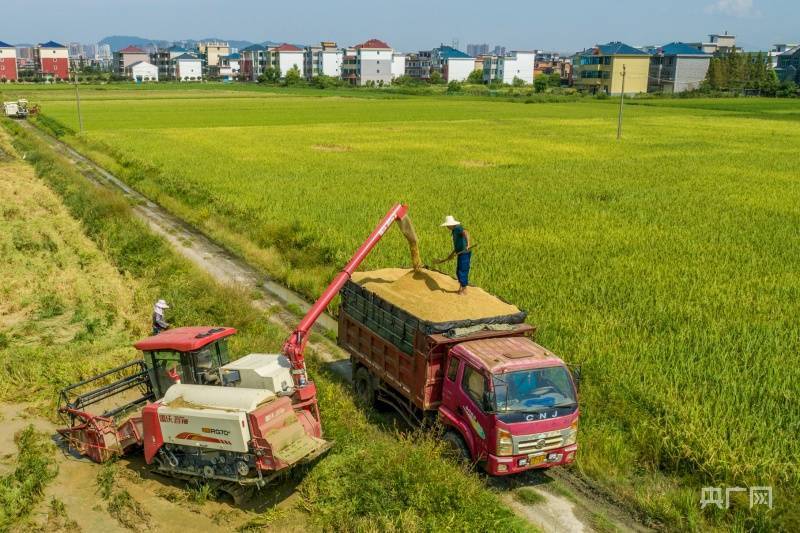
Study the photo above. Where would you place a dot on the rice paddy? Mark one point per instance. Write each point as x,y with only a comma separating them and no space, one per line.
665,264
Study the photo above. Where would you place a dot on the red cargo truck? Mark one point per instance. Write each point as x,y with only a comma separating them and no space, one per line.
506,402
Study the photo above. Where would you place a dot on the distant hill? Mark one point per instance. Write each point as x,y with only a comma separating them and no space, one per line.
118,42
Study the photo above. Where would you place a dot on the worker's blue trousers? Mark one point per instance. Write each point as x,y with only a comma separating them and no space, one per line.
462,268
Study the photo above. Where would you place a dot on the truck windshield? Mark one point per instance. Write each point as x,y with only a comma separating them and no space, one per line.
533,390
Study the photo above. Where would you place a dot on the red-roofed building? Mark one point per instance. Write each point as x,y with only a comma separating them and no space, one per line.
374,63
287,56
8,62
374,44
52,60
125,58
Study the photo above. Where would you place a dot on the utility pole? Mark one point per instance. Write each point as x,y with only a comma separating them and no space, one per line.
621,102
78,102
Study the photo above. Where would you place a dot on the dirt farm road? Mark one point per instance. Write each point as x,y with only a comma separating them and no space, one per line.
569,504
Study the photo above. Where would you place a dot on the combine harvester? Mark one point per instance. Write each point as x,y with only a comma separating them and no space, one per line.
199,416
18,109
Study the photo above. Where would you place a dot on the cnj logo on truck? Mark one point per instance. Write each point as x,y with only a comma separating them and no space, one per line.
544,415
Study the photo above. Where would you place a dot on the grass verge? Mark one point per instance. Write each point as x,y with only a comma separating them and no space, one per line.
22,489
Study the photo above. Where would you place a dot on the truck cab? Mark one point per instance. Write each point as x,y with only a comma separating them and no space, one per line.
513,404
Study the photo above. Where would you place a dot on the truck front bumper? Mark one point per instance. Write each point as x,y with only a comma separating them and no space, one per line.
514,464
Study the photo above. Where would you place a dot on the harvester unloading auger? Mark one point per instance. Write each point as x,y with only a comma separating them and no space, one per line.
199,416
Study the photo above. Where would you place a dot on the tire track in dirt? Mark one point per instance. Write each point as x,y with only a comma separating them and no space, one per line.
556,512
166,505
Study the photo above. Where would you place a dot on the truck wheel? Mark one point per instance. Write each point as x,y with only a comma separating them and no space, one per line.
363,386
457,448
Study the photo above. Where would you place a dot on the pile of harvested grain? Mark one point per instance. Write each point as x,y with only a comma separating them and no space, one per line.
432,296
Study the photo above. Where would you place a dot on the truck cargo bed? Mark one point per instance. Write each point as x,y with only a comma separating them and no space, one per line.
397,303
407,352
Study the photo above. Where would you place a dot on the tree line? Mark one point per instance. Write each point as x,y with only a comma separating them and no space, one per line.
742,73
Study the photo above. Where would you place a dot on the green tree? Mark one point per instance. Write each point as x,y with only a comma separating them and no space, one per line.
292,76
540,83
554,79
405,79
436,78
454,87
769,86
270,75
735,70
476,76
715,77
518,82
787,89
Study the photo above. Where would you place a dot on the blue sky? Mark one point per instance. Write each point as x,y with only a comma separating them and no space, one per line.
408,25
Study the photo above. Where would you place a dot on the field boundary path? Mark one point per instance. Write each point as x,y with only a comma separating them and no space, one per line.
572,506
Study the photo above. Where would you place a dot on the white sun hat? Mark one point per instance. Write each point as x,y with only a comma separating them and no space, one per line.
450,221
161,304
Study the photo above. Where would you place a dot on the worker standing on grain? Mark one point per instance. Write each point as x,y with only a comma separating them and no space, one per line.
159,323
462,251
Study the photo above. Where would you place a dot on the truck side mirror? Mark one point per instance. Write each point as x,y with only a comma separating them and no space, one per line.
576,372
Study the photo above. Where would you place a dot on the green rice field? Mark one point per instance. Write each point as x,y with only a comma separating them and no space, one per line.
665,264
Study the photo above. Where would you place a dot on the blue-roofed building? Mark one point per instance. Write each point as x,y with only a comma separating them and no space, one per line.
452,64
253,62
788,65
52,61
164,59
230,66
603,68
677,67
8,62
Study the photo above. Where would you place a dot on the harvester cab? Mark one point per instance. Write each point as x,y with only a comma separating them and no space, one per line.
192,355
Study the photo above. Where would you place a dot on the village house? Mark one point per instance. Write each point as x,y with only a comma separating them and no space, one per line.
285,57
8,62
677,67
126,57
188,67
52,61
600,69
506,68
142,71
452,64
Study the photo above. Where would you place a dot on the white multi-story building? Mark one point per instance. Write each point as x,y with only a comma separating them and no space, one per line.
323,60
287,56
778,49
517,65
188,67
230,66
398,65
374,62
452,64
718,44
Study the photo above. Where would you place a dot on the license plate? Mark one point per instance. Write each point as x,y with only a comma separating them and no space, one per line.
534,460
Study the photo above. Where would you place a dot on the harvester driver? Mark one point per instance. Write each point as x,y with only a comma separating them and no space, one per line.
159,323
462,251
